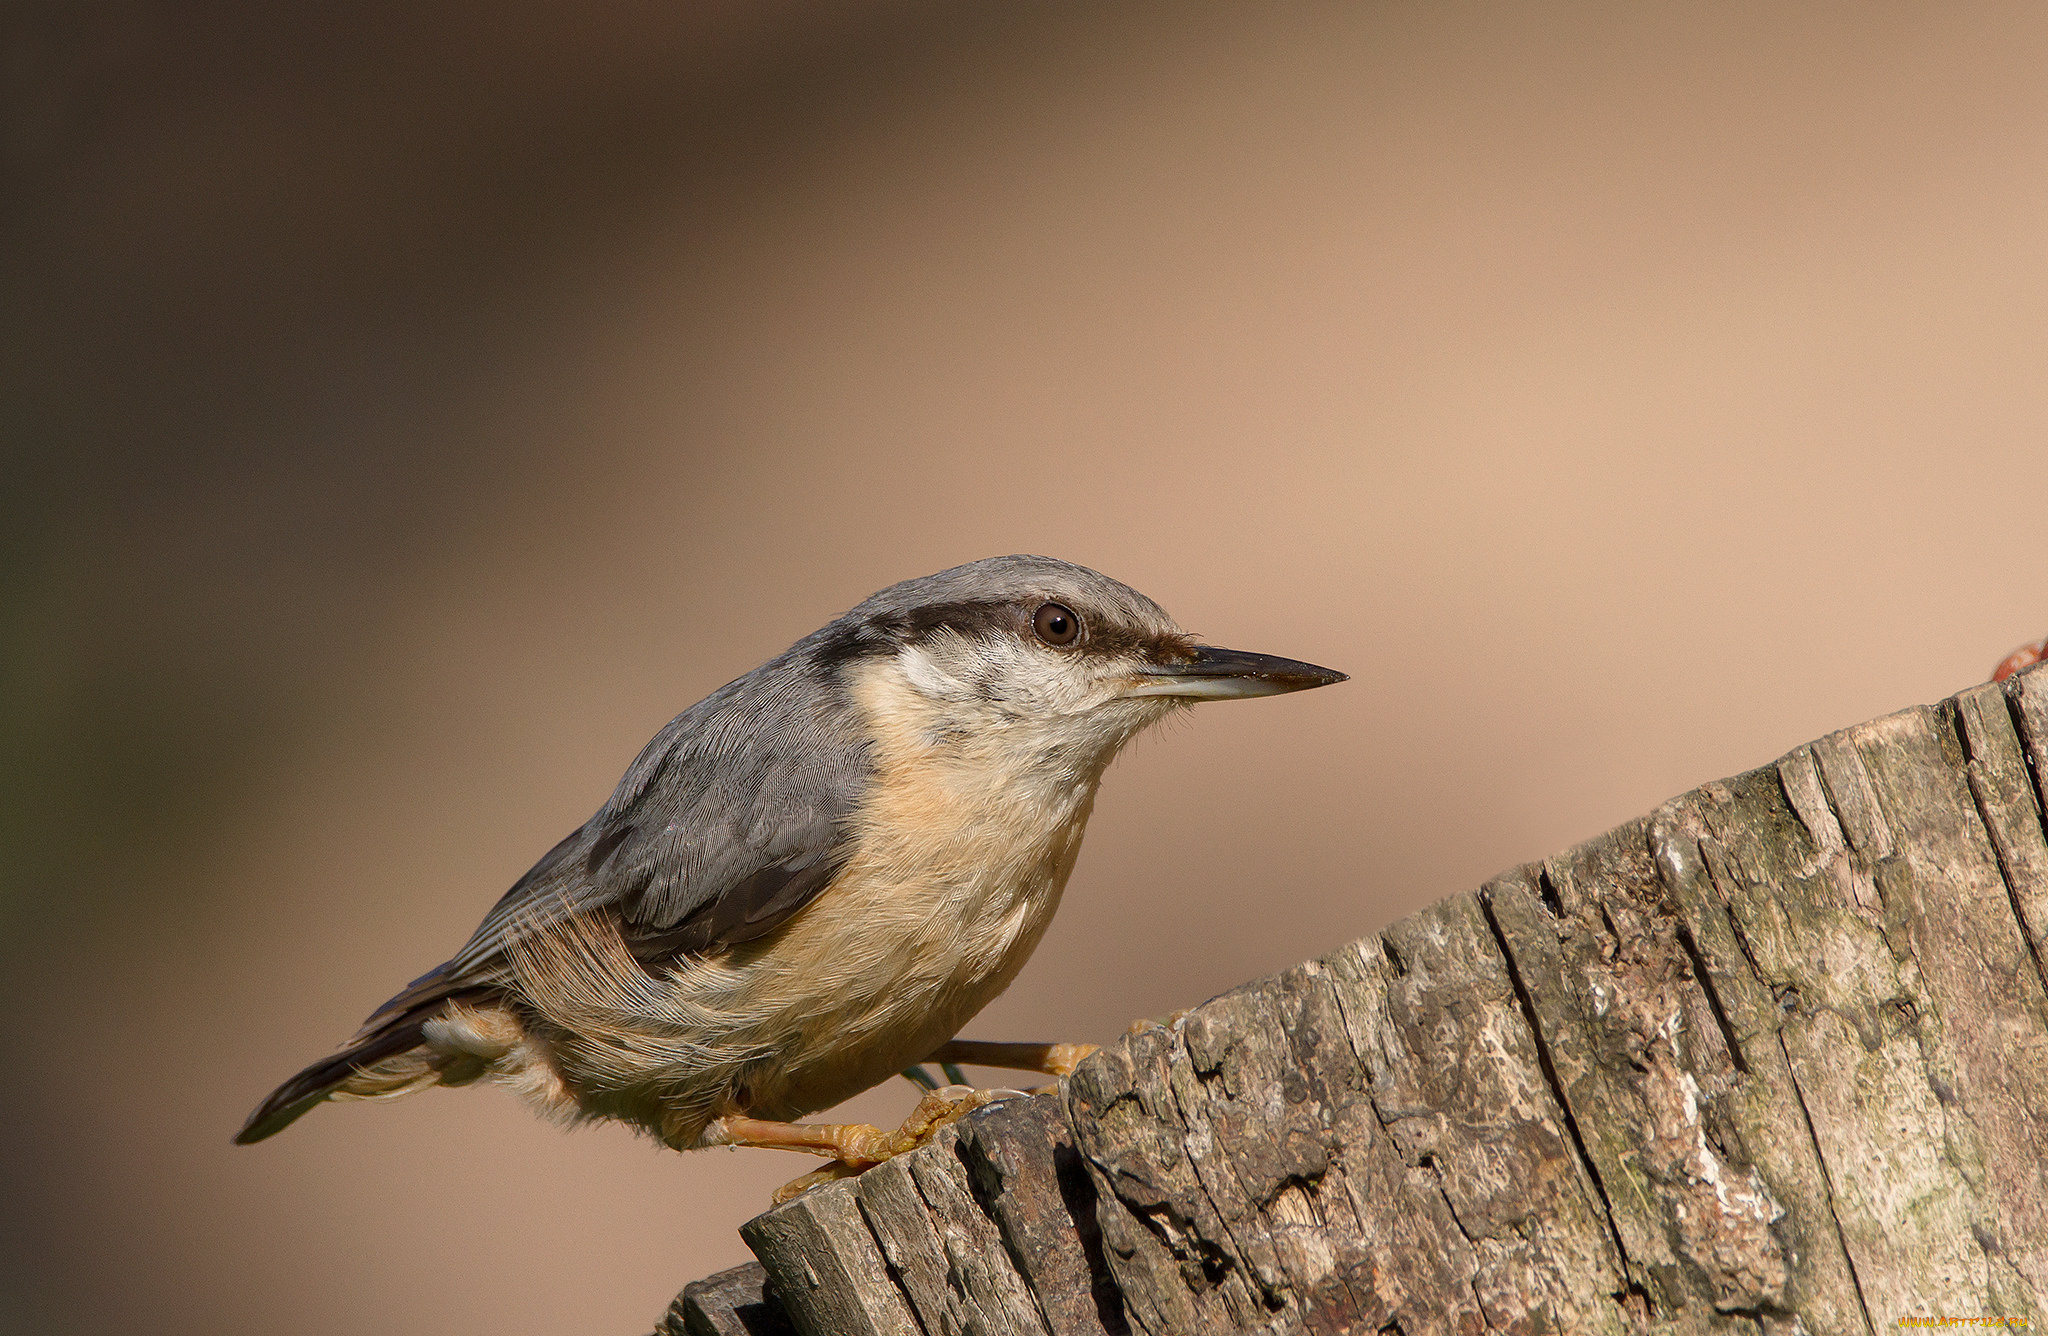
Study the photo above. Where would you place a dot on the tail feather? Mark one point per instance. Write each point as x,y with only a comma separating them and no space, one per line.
292,1099
395,1029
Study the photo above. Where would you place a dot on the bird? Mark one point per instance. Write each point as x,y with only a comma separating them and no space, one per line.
811,879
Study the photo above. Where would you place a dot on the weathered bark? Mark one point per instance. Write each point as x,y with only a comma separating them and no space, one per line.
1772,1059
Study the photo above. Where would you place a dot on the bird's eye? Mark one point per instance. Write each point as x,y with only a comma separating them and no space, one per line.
1056,624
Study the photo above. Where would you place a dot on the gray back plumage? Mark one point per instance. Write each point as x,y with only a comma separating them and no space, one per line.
745,791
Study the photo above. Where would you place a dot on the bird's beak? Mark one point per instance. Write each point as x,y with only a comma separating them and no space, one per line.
1227,674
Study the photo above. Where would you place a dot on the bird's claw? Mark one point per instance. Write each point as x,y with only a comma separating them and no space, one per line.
797,1187
858,1147
1061,1059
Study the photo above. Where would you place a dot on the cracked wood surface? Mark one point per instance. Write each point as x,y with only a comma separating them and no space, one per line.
1772,1059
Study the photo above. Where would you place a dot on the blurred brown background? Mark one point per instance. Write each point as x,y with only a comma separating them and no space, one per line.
409,408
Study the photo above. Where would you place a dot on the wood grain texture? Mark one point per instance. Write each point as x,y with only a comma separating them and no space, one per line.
1773,1059
731,1303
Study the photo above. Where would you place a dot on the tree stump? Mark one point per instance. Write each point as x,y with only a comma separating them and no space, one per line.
1772,1059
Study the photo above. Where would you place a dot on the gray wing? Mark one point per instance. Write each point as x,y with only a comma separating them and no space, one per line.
731,820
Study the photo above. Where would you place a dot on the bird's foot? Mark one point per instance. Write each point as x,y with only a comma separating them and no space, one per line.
944,1106
1061,1059
862,1146
854,1147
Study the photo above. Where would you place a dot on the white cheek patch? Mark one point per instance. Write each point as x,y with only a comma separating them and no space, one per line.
928,674
1046,685
978,673
996,683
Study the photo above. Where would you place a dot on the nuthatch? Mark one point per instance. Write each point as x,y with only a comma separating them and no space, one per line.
813,877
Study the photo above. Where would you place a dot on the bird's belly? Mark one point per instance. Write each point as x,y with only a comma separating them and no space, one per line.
956,871
877,974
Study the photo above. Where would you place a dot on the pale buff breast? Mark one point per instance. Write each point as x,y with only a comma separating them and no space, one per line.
963,845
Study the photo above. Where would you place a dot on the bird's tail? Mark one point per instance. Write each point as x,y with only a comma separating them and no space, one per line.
389,1057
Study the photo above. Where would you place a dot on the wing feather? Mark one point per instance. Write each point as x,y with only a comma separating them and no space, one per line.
731,819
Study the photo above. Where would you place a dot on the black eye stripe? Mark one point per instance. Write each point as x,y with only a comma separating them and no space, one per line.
1100,634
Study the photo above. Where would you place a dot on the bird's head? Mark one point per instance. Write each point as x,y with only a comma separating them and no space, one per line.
1038,658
